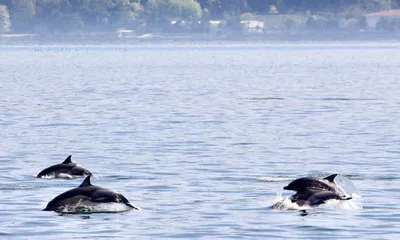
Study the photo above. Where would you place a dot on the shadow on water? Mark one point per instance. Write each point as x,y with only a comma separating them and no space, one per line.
264,98
316,99
87,215
346,99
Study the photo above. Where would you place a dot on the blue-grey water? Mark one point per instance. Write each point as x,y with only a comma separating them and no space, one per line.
202,137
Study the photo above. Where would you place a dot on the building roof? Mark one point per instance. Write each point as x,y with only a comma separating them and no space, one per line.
392,12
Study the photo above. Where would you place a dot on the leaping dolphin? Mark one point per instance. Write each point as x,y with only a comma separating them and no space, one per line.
66,169
86,196
315,191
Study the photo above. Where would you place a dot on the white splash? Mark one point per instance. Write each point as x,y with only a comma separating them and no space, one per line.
49,176
281,203
90,207
61,175
65,175
351,204
274,179
347,186
354,203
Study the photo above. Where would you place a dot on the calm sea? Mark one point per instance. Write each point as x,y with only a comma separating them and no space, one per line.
202,137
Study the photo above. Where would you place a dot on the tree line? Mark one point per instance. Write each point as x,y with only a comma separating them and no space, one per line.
29,16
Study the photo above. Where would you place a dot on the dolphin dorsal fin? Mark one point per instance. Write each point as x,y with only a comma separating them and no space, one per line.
67,160
86,182
331,177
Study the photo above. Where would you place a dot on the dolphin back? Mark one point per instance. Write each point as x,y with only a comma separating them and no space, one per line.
303,184
58,168
67,167
70,197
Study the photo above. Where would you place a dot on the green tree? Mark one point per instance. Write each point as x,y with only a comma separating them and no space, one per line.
95,13
6,3
5,23
280,6
71,15
155,11
377,5
159,11
190,9
22,13
227,8
50,14
125,12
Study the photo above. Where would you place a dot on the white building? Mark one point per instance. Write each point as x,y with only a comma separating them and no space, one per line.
253,26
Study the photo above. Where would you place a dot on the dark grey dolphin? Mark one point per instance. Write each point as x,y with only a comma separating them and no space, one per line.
66,169
86,196
315,191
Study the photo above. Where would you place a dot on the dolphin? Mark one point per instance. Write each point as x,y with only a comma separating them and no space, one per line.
66,169
315,191
86,196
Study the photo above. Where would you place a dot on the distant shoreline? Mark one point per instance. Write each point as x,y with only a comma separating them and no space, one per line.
110,38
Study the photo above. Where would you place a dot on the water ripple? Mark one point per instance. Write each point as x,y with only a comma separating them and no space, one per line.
201,136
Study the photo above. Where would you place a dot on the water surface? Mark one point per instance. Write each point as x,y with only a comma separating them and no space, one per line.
202,137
